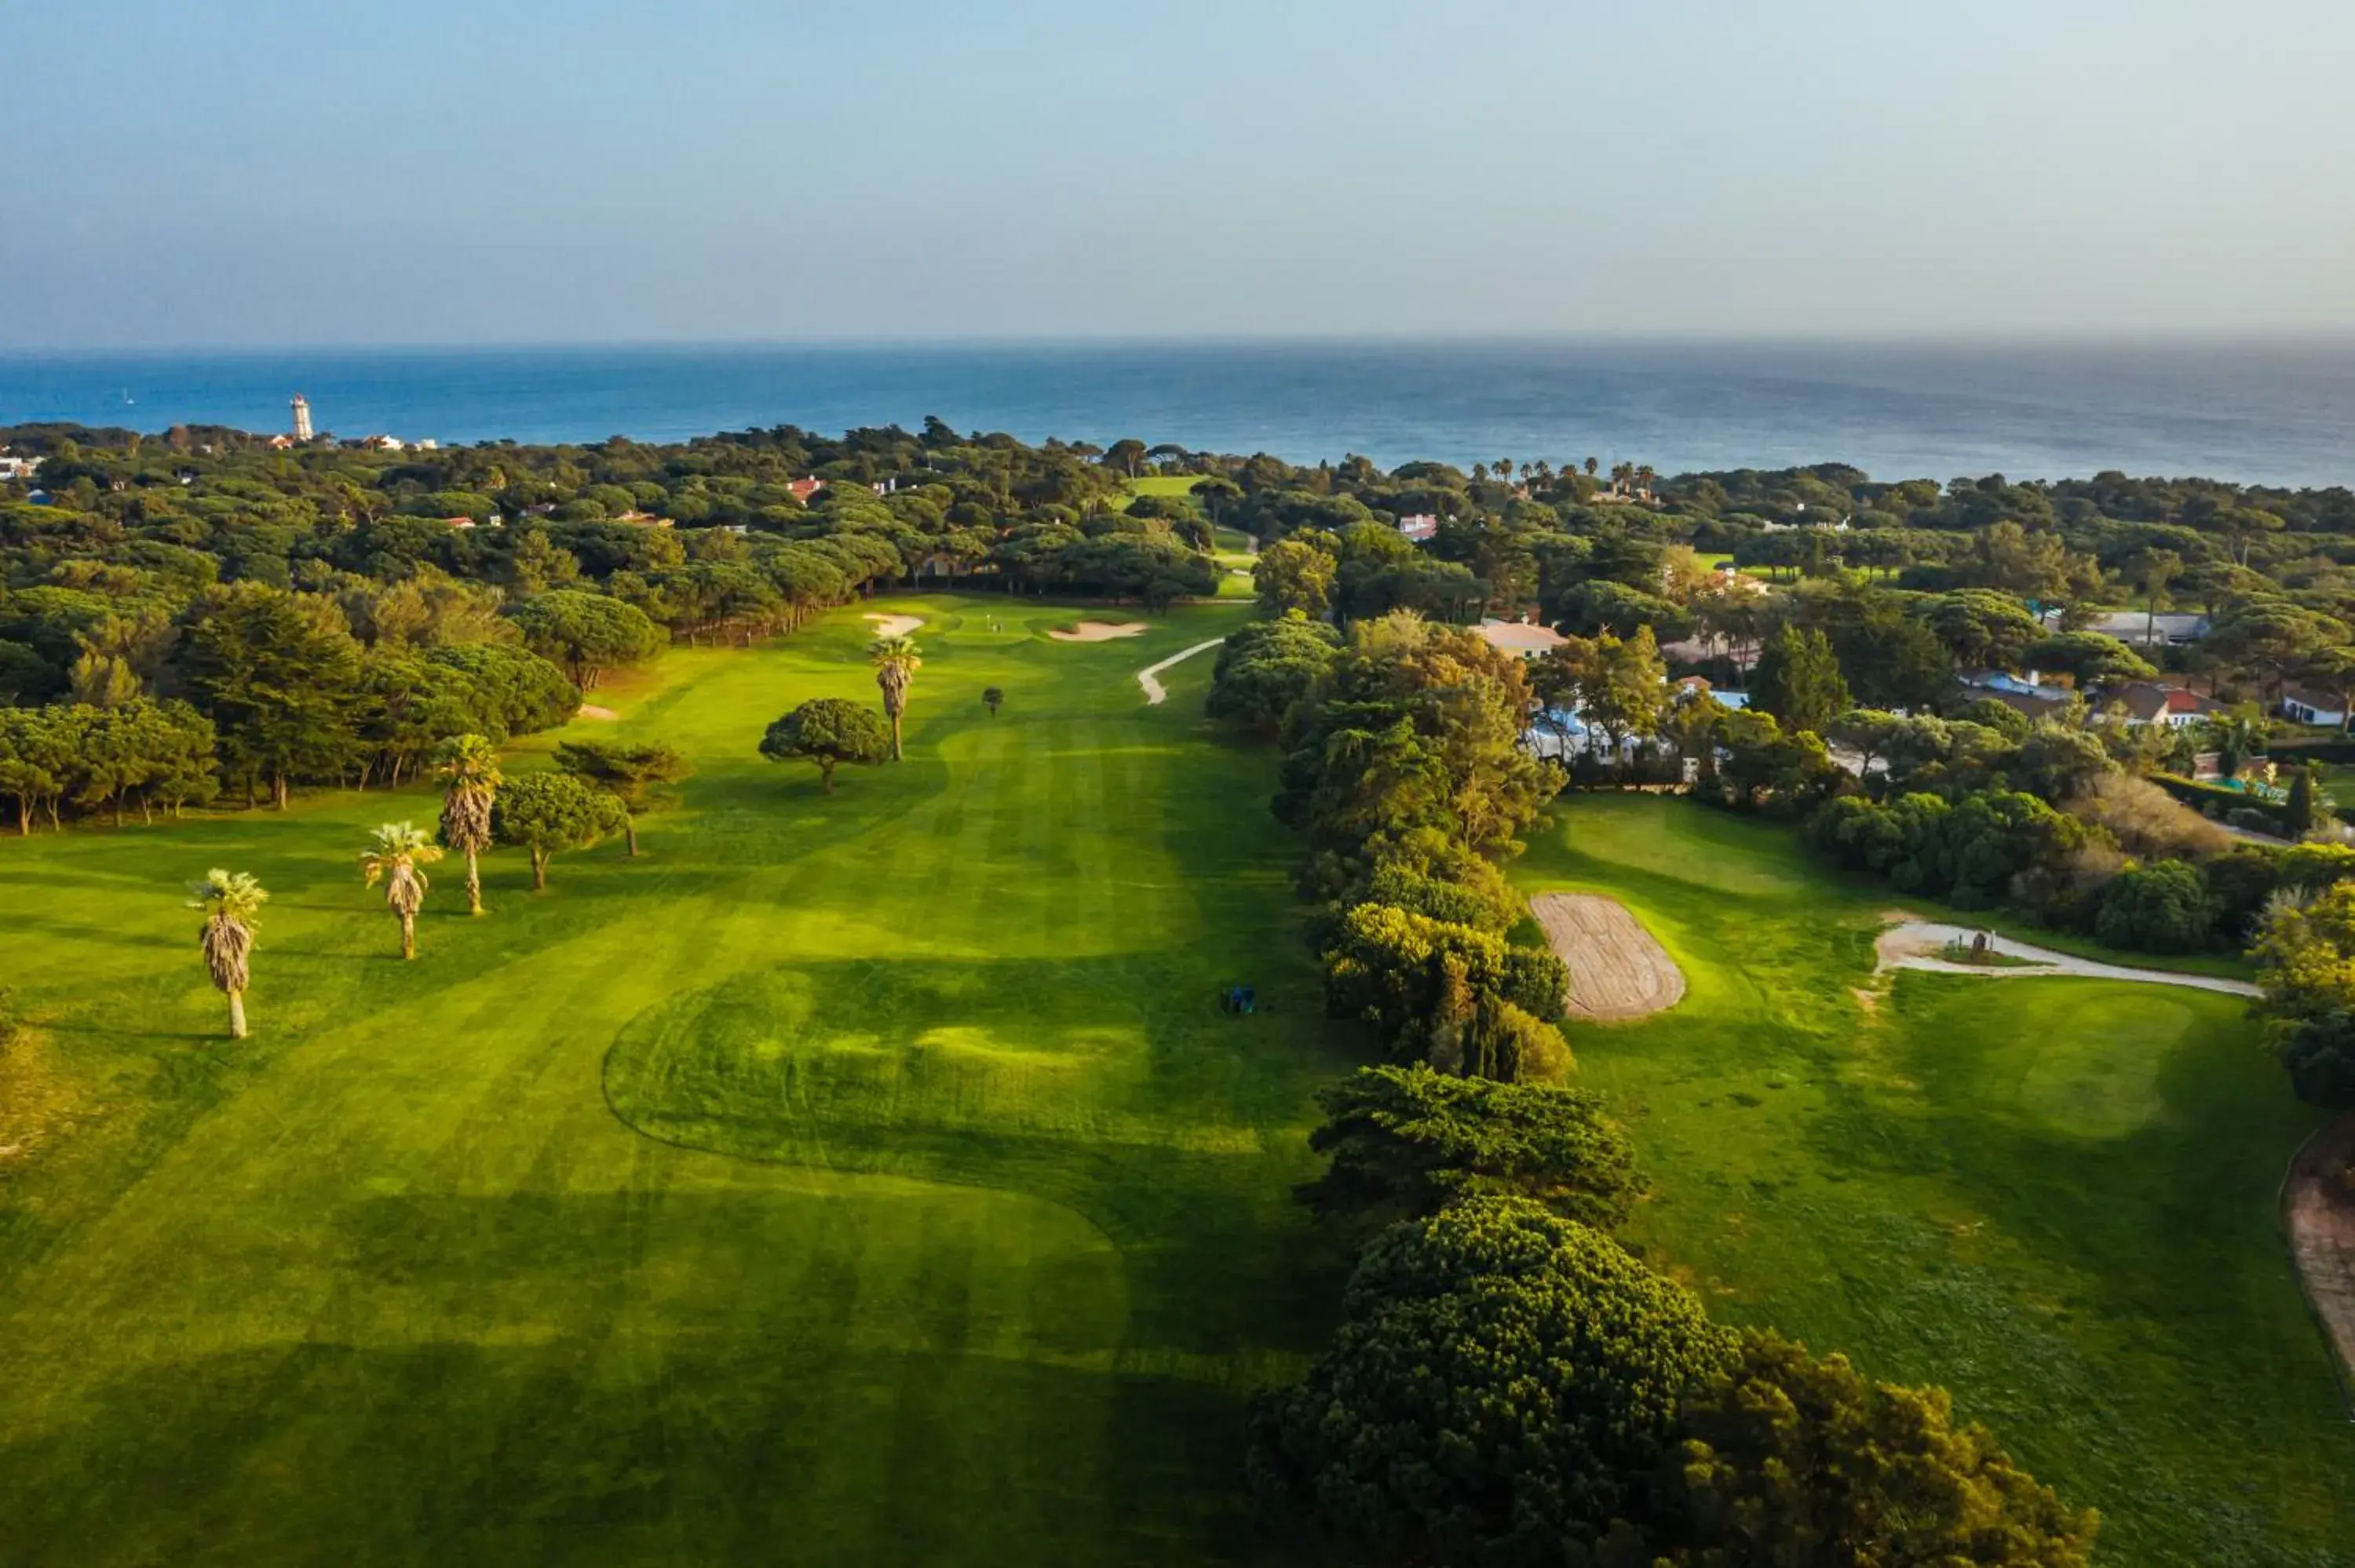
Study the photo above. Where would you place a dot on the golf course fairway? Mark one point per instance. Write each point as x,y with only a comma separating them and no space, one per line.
874,1178
864,1180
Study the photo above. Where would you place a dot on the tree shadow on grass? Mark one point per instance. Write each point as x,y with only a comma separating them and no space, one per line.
629,1378
1111,1086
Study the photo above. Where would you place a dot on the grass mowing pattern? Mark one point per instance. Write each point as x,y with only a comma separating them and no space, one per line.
2054,1197
954,1227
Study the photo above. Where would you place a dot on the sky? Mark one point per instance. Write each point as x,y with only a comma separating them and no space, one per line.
261,172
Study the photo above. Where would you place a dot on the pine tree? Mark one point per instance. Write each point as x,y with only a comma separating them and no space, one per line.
1798,680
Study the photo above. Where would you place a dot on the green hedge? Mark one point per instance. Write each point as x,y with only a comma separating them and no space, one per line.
2312,751
2199,797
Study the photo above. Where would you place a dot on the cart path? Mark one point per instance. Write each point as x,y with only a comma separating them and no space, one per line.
1910,944
1153,695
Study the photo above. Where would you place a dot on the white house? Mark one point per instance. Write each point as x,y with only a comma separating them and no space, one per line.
2173,707
17,468
2313,707
1419,526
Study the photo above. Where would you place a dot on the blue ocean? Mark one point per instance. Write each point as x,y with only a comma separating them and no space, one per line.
2269,413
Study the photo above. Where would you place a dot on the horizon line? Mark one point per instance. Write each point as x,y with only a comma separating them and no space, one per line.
2334,337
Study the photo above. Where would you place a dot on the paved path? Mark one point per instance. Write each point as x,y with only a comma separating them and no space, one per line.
2319,1214
1914,944
1153,695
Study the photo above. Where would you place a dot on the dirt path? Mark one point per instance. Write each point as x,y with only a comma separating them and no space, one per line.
2318,1217
1617,969
1154,695
895,625
1912,944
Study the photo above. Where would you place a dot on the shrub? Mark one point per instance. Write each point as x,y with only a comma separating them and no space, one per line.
2320,1057
2146,820
2163,906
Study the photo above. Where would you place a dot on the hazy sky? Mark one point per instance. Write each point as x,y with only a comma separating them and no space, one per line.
270,172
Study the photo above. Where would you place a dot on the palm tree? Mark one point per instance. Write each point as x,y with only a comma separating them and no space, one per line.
896,662
470,764
400,849
228,899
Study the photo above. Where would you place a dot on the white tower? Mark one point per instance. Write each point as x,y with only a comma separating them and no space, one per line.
301,417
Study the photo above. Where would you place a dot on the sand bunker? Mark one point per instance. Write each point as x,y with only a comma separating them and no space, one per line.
1101,632
2318,1212
1616,969
592,711
895,625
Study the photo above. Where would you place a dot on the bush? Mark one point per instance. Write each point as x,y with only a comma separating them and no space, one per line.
2146,820
1503,1381
2163,906
2320,1057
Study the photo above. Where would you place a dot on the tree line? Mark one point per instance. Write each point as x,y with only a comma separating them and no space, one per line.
1508,1384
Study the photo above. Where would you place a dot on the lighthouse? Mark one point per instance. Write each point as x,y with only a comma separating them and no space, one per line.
302,407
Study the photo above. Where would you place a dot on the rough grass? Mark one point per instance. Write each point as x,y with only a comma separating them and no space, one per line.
2054,1197
864,1180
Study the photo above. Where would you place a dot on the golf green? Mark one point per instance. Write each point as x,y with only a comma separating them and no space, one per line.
2053,1196
871,1179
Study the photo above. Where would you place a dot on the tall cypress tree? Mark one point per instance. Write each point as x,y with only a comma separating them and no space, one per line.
1799,682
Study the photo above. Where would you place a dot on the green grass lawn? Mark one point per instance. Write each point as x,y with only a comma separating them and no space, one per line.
868,1180
1165,484
2054,1197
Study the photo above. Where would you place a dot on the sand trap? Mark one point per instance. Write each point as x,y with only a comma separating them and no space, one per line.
895,625
1616,969
1912,944
2318,1212
592,711
1101,630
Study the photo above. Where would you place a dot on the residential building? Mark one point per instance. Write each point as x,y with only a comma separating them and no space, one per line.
1521,636
2138,629
13,469
2149,701
1419,526
2313,707
802,489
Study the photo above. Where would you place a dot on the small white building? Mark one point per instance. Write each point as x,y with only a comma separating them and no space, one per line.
14,468
2313,707
1419,526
